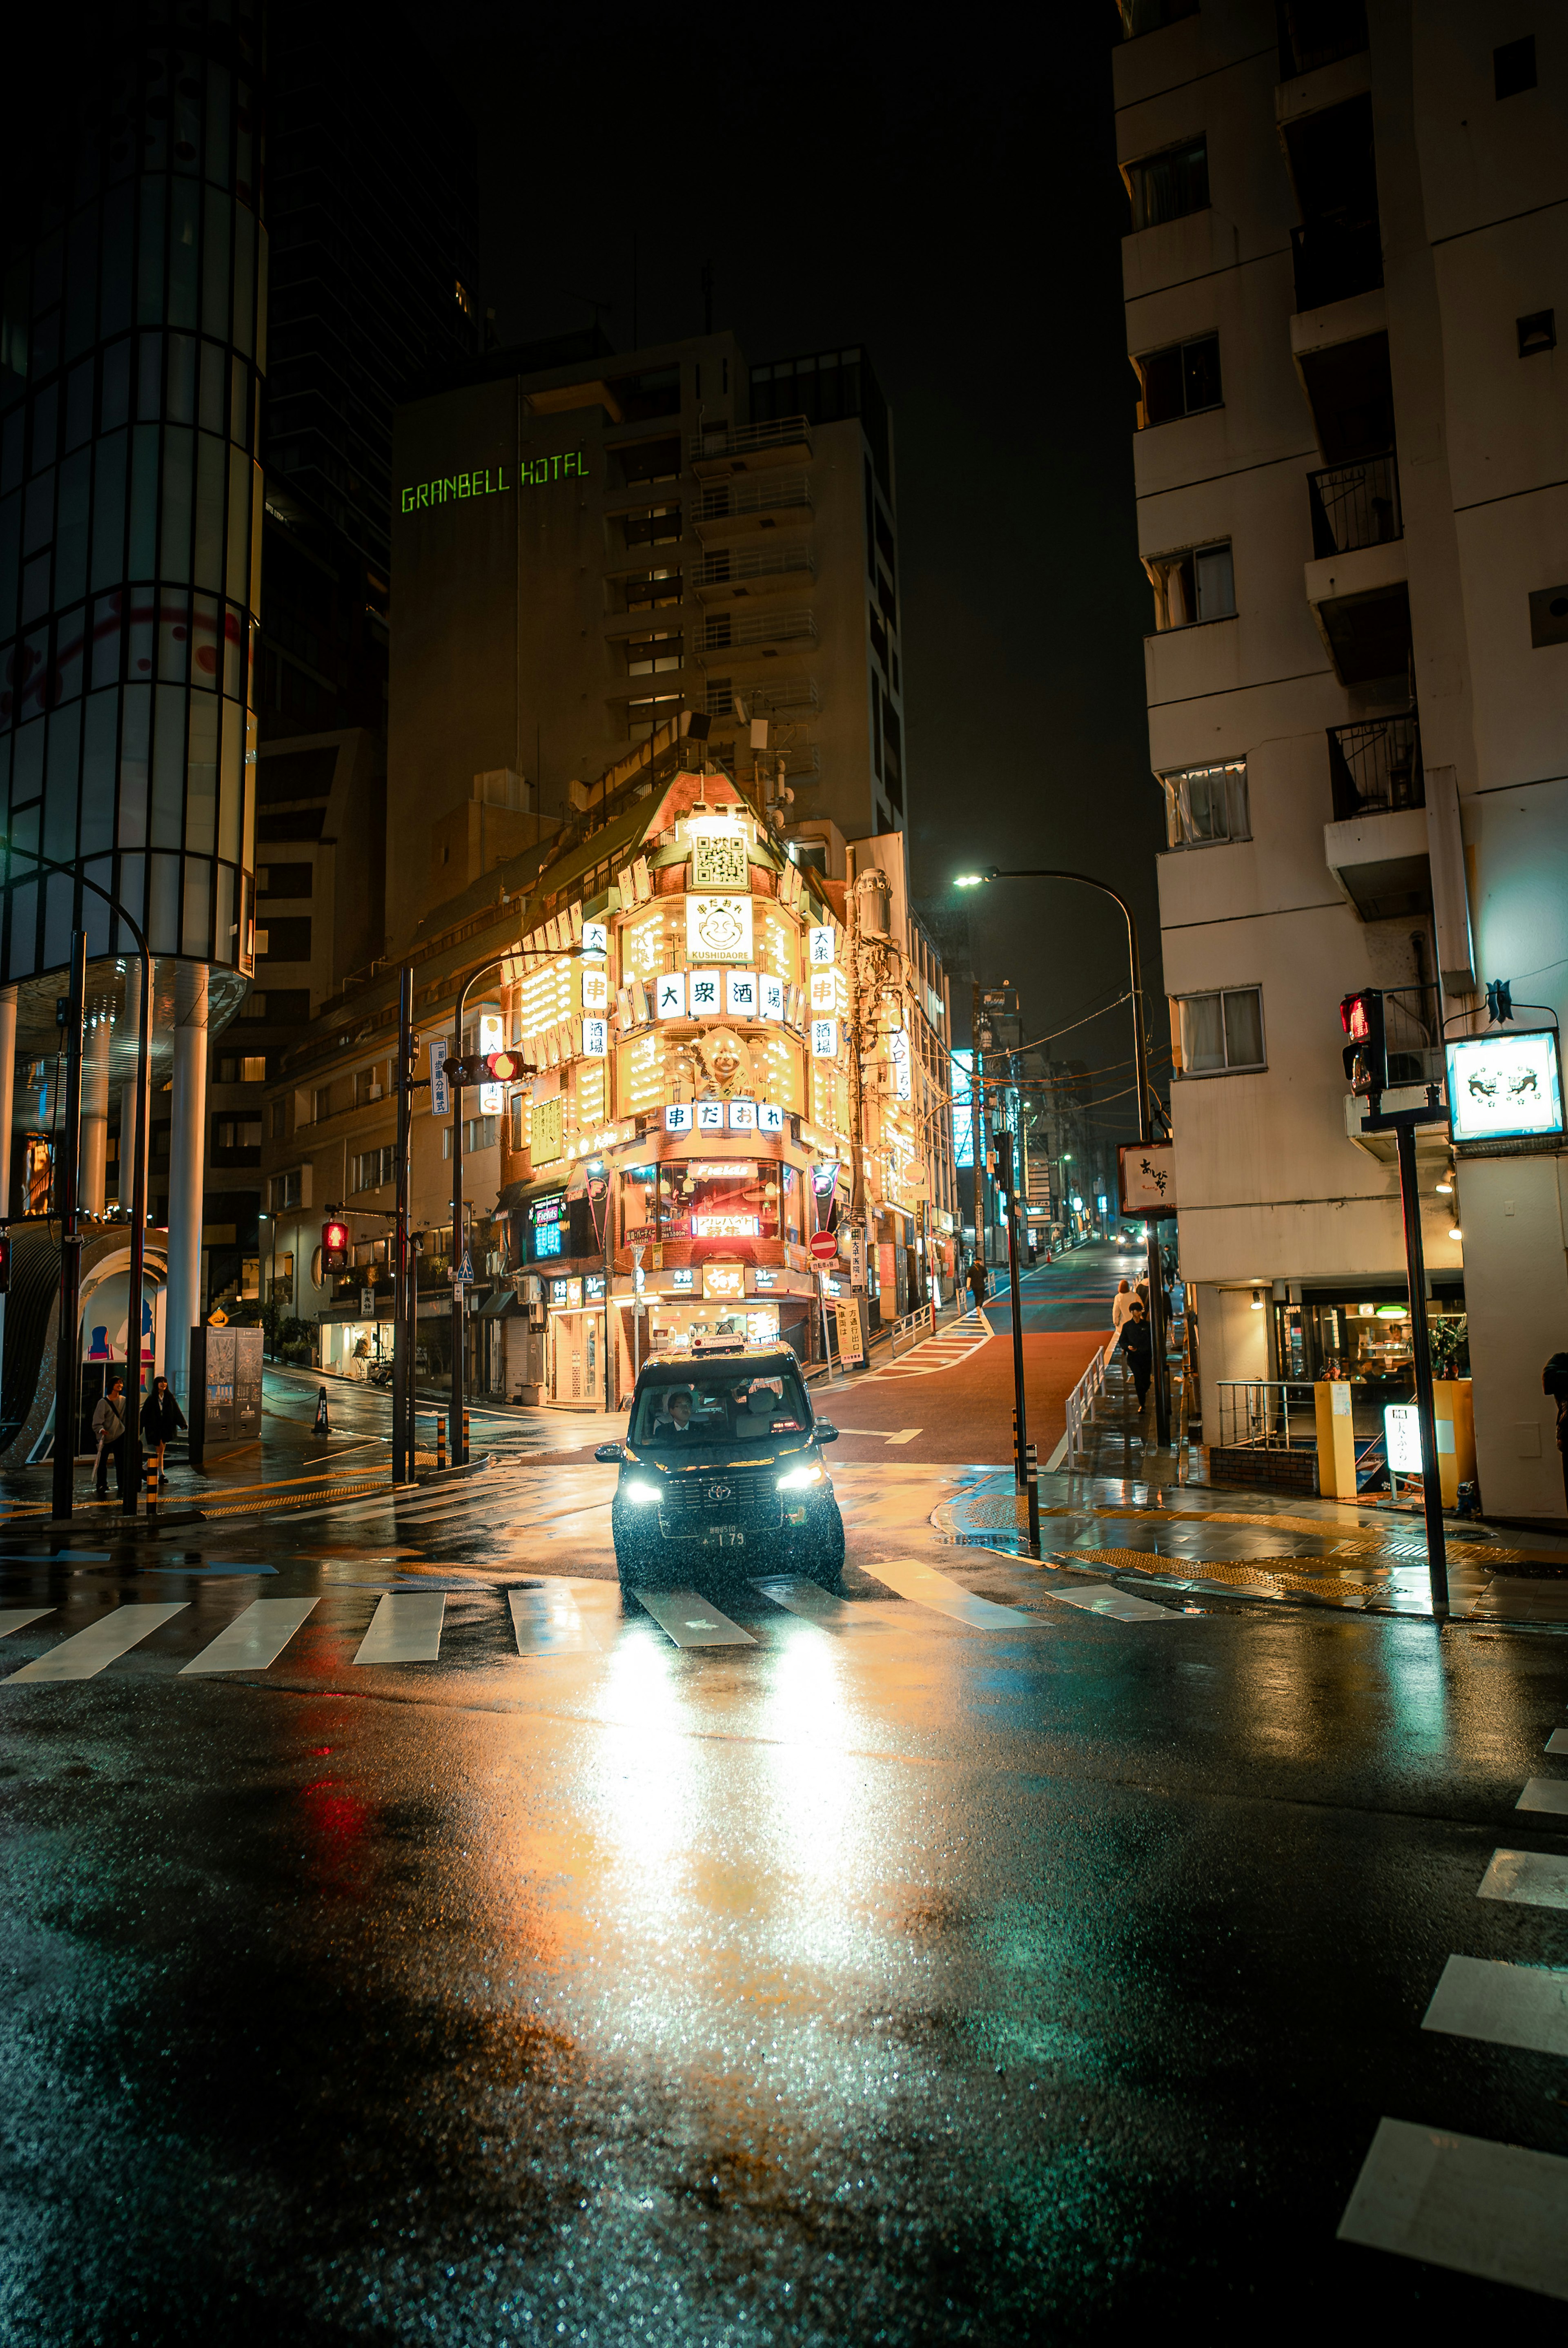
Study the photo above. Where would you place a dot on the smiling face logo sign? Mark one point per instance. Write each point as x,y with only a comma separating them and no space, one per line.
719,929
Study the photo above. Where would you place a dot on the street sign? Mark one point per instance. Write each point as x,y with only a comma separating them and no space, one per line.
858,1255
465,1271
440,1091
846,1312
597,1184
1402,1438
367,1304
1148,1171
218,1318
824,1246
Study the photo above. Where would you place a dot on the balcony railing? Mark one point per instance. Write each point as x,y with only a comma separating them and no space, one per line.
751,439
730,631
730,565
1376,767
792,696
1335,258
1355,505
764,493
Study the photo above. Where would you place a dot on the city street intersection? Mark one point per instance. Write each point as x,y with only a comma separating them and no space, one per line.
406,1939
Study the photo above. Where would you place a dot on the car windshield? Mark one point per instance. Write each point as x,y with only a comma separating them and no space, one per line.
741,1402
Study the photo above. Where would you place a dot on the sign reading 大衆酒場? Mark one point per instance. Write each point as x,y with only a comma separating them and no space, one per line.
528,473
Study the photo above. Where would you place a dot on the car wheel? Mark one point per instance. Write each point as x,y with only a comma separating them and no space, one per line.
827,1565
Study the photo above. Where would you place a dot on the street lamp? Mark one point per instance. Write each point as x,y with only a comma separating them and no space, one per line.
1147,1105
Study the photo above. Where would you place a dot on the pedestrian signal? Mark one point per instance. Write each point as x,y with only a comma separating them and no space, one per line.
1366,1053
334,1247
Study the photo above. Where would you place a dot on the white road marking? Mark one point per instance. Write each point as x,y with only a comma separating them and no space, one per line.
17,1618
1558,1741
549,1621
85,1654
815,1604
925,1587
254,1639
1489,2209
404,1629
1121,1605
691,1621
1510,2005
1545,1793
1536,1879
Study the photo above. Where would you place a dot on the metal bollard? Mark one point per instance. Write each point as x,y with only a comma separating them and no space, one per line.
152,1485
465,1459
1033,1500
441,1443
1017,1459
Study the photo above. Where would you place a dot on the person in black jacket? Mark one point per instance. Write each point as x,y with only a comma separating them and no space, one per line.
162,1419
108,1426
1137,1344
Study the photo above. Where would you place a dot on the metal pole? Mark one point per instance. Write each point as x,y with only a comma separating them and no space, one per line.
608,1268
1421,1346
976,1125
67,1343
402,1359
455,1407
1006,1167
136,1280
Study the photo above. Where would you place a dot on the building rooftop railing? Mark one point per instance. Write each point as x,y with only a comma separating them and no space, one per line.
728,564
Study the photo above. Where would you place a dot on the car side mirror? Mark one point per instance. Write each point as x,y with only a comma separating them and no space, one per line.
611,1455
823,1432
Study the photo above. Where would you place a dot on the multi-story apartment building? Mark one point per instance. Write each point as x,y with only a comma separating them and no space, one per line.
730,1051
1343,276
586,544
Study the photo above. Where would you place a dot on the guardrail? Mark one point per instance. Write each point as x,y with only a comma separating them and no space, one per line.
923,1320
1081,1403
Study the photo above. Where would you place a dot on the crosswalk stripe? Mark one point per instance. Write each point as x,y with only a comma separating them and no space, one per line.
1558,1741
1536,1879
1121,1605
254,1639
1544,1794
85,1653
924,1586
17,1618
1480,2208
551,1620
1510,2005
404,1630
691,1621
815,1604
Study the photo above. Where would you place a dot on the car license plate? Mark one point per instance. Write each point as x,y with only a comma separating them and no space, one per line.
726,1537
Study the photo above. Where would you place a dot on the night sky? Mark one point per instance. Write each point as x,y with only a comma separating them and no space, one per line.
943,193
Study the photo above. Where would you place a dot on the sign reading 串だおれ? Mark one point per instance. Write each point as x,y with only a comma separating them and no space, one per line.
719,929
1148,1177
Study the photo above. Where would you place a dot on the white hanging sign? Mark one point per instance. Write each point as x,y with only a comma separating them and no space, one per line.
671,995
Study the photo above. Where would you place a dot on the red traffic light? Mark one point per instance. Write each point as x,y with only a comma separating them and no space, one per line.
334,1247
484,1068
504,1066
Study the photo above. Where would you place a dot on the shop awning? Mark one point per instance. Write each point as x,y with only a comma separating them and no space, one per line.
502,1305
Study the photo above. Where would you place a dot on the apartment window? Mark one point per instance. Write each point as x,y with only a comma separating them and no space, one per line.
1536,333
657,527
372,1167
1166,186
645,654
1513,66
1180,380
1195,584
255,1005
322,1105
1220,1033
238,1132
479,1133
368,1085
653,588
287,1190
285,880
1206,805
280,1120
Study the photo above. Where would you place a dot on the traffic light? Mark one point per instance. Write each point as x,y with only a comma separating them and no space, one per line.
486,1068
5,1263
1366,1053
334,1247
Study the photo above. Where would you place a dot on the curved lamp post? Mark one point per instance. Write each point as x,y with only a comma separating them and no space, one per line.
1147,1105
67,1387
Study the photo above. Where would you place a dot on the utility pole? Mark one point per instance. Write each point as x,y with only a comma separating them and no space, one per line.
403,1323
67,1343
978,1123
459,1250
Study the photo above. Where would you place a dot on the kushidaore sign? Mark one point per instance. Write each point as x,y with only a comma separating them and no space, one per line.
1505,1085
1148,1177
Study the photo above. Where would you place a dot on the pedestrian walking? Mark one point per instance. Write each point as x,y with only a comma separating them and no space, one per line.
978,1284
1121,1306
1137,1344
108,1429
162,1420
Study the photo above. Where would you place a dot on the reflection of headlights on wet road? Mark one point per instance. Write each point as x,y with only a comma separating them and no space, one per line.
798,1477
640,1493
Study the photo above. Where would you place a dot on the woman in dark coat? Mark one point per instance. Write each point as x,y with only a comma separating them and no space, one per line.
162,1419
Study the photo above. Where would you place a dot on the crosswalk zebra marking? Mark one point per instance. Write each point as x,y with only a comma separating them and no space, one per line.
924,1586
404,1630
17,1618
254,1639
685,1616
562,1619
86,1652
1558,1741
1119,1605
1458,2201
1536,1879
1508,2004
812,1603
1545,1793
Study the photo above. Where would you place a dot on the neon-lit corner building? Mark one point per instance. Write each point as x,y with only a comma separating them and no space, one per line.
132,352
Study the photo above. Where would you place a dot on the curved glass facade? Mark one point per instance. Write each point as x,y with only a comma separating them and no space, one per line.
132,347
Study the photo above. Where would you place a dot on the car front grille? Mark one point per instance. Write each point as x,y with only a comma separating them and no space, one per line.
744,1496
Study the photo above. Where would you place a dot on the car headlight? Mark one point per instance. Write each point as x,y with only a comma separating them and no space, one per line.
797,1479
639,1491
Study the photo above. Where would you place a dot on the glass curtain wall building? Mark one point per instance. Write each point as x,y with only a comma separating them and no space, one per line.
132,350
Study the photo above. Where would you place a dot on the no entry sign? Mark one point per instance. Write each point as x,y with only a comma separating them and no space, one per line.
824,1246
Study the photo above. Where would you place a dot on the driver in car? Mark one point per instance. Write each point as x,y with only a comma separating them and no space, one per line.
675,1420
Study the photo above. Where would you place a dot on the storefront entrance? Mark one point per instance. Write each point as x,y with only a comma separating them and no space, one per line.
575,1359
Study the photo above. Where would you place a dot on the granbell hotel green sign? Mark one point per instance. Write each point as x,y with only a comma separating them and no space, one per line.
531,474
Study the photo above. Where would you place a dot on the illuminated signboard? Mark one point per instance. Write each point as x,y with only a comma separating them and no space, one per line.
595,1039
770,1117
825,1039
677,1117
742,1117
1402,1436
1505,1085
545,1217
723,1279
821,942
530,474
718,928
596,938
741,993
899,1052
682,1279
670,995
725,1226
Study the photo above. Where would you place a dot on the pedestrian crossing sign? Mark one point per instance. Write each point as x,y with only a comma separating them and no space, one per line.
465,1271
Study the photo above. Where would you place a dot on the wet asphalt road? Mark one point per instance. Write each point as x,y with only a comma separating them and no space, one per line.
889,1979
